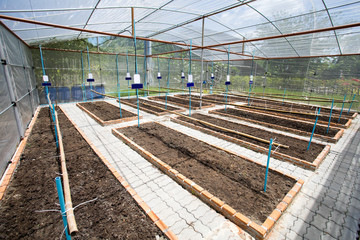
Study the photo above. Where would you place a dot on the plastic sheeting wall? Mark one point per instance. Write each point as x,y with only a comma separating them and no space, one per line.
18,93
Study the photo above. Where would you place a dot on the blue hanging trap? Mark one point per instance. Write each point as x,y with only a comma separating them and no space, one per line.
137,84
46,81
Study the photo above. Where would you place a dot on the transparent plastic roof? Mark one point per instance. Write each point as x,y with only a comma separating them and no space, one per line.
180,21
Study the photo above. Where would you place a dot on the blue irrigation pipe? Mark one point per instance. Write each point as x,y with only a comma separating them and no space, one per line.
190,57
168,83
127,70
43,70
42,61
312,133
189,75
137,102
136,72
118,83
351,103
284,96
251,78
212,78
182,78
88,57
145,73
83,77
228,74
267,164
342,108
227,89
55,128
189,101
62,206
158,77
332,105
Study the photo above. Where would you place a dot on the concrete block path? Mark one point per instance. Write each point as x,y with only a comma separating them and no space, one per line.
327,207
186,215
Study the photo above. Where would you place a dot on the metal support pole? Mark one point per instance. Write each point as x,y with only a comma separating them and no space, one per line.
190,101
267,164
137,102
342,108
127,70
168,84
312,133
202,61
332,105
83,77
351,103
118,83
284,96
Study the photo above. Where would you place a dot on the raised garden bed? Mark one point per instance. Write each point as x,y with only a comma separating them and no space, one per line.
205,98
150,106
113,215
216,175
182,102
105,113
288,106
324,120
296,153
286,124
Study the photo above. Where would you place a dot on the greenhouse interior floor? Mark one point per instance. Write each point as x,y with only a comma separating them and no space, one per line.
327,207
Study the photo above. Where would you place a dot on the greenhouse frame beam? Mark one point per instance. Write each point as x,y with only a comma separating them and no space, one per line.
92,12
201,17
90,31
288,35
332,24
213,49
107,53
272,58
272,23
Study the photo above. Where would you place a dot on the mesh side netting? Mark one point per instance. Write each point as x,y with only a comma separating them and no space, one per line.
18,94
331,77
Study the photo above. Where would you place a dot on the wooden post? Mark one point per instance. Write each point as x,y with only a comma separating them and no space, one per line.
132,21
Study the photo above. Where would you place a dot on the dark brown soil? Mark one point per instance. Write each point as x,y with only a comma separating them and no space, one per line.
234,180
182,102
106,111
114,215
221,100
144,105
305,117
297,148
258,102
321,130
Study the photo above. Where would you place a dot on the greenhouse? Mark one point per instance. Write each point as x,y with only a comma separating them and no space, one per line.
180,119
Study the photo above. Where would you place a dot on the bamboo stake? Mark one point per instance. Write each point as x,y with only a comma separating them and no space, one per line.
68,203
212,125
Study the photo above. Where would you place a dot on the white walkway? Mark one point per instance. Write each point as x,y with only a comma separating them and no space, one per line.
327,207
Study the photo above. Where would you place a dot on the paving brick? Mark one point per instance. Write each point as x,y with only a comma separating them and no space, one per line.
294,236
351,224
333,229
300,227
189,234
319,222
312,233
347,234
178,226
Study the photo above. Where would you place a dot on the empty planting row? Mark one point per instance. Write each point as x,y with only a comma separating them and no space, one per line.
112,214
